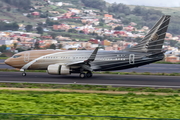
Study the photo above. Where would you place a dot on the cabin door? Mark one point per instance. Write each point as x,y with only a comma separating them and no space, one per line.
26,56
131,58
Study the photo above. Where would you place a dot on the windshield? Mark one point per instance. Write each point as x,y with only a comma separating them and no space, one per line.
16,56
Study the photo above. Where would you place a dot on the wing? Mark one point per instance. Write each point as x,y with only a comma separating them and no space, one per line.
85,62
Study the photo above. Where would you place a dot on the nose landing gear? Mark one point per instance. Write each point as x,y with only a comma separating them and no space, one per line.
24,73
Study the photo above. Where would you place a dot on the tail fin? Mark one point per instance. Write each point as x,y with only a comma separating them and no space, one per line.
153,41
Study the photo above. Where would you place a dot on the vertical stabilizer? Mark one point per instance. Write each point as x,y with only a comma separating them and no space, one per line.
153,41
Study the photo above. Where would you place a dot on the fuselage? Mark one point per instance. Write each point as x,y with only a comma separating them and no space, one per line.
104,61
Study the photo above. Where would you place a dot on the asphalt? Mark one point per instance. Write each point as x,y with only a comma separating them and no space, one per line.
97,79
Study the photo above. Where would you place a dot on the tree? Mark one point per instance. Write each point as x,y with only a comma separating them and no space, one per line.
72,31
52,46
28,28
19,39
60,46
8,9
15,26
20,49
15,45
118,28
3,48
36,45
39,30
101,24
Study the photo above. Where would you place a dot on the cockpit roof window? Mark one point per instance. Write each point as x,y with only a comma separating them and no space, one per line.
16,56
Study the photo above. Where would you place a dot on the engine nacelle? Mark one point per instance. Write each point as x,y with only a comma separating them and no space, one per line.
56,69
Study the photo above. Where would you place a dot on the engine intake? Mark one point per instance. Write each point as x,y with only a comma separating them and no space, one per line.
56,69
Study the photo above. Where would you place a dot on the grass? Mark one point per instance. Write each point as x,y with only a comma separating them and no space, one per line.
90,87
3,58
164,62
57,103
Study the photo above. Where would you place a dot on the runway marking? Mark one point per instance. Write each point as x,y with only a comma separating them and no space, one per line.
118,85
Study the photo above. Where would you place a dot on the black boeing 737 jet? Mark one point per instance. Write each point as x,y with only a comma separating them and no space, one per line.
61,62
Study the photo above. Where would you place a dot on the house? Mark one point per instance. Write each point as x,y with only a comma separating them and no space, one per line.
74,10
172,58
46,37
61,27
106,43
35,13
107,16
54,12
61,38
94,41
59,4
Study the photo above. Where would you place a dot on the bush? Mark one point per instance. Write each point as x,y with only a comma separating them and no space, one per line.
3,55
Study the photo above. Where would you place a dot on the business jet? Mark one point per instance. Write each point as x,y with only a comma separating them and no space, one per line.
84,62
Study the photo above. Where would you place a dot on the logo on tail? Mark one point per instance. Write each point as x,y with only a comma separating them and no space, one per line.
153,41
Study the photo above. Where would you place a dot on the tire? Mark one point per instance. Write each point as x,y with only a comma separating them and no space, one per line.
89,74
23,74
82,75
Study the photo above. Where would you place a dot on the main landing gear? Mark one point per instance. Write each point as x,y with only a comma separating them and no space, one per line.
88,75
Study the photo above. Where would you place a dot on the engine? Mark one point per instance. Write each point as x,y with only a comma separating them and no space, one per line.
56,69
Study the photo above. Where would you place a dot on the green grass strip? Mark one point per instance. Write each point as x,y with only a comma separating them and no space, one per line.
3,58
58,103
90,87
76,116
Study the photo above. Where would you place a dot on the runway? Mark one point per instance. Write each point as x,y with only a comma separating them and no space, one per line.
97,79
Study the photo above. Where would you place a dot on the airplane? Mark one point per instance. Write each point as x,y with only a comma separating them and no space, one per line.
84,62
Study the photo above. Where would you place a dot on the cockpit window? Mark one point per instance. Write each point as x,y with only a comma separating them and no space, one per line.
16,56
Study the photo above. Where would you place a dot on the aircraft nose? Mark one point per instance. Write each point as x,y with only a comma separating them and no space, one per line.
7,61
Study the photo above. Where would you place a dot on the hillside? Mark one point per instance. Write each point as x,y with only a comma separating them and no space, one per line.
12,13
15,11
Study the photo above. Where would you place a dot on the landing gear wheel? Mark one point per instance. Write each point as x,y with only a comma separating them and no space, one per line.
23,74
89,74
82,75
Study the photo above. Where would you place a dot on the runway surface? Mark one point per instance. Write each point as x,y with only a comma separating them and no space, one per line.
152,68
97,79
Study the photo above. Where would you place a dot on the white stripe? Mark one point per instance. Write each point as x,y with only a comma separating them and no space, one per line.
26,66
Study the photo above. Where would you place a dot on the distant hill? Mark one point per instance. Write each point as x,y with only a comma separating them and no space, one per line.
13,10
174,11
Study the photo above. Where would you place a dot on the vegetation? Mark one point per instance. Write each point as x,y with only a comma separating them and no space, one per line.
91,87
9,26
2,56
3,48
128,105
19,3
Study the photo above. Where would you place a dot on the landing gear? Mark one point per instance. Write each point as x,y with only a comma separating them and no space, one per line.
89,74
23,74
83,75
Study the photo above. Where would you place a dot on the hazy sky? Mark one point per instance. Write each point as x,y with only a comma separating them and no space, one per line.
158,3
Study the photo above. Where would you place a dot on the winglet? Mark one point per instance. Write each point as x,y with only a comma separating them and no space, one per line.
93,55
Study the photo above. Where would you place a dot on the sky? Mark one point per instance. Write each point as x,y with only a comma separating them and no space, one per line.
157,3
